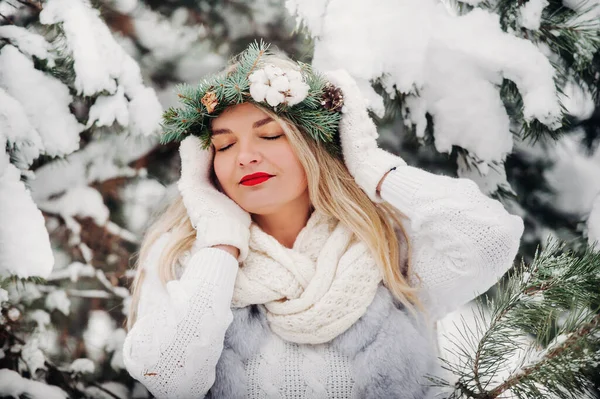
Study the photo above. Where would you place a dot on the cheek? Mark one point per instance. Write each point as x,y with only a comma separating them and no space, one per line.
294,168
222,170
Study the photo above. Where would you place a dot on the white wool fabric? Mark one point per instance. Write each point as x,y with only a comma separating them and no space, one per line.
365,161
313,291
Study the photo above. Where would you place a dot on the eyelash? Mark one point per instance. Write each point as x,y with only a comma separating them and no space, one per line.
266,138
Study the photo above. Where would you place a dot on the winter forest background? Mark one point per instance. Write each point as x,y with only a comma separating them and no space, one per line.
502,92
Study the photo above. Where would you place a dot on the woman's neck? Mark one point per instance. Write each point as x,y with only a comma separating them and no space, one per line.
285,224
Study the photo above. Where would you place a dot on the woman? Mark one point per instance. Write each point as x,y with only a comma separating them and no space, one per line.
291,269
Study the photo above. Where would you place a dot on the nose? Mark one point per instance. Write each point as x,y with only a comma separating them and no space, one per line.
248,154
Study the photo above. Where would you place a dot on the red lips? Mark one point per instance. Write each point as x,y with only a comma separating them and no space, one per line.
255,178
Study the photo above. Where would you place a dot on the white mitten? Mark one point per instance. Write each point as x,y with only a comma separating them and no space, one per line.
218,220
365,161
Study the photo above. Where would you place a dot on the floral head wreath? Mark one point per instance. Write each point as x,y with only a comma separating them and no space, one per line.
300,95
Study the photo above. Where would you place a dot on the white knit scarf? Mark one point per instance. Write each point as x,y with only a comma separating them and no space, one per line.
314,291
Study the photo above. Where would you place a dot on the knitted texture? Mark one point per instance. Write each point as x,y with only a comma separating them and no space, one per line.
159,351
461,239
461,242
312,292
365,161
216,218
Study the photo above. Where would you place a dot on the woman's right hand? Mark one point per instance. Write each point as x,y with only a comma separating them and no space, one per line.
218,220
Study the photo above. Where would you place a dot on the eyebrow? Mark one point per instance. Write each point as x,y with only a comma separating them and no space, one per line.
255,125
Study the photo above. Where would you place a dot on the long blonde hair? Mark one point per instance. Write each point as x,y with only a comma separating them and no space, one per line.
332,191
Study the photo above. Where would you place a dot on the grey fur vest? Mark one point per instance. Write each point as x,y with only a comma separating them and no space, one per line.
390,351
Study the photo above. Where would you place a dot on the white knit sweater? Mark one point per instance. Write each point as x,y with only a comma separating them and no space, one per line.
462,240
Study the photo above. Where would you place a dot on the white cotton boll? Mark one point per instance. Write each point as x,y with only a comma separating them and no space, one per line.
294,75
298,92
58,300
280,83
258,77
530,15
274,97
3,295
272,71
82,366
258,91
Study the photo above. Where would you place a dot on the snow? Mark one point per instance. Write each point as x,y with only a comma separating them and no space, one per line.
24,141
25,293
26,249
80,201
40,317
45,100
145,112
32,355
140,200
102,65
102,159
108,109
531,14
28,42
593,224
165,38
115,345
58,300
88,39
97,334
577,100
73,272
450,67
13,385
589,12
83,366
123,6
117,389
13,314
573,177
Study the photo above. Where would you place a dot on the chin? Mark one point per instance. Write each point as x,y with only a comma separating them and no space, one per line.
260,209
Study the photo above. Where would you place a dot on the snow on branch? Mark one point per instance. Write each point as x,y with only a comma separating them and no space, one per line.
450,66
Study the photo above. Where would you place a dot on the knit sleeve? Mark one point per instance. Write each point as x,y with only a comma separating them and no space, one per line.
174,345
462,241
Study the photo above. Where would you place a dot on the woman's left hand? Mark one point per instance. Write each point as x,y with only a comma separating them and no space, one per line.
365,161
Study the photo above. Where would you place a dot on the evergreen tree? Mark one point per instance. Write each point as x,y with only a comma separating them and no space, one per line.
97,174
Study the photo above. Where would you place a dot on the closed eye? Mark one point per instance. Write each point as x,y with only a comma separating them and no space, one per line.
272,137
264,137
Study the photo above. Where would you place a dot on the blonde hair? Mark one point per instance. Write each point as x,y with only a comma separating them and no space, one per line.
332,191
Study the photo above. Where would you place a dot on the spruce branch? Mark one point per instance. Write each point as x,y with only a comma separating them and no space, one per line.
542,333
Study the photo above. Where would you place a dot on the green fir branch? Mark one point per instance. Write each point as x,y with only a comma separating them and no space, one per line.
547,318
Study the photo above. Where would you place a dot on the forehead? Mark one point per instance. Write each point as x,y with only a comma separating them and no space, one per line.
239,116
